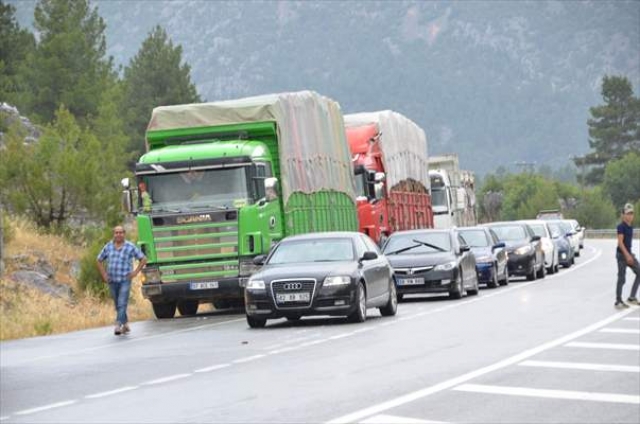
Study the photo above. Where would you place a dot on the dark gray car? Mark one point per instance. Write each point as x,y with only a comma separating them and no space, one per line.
431,261
332,273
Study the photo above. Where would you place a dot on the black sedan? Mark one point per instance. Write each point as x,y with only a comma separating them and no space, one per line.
490,253
333,273
431,261
523,247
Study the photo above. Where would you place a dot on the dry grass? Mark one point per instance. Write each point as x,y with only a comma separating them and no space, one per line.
27,312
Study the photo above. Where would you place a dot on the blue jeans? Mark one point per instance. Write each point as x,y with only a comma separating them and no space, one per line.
622,271
120,293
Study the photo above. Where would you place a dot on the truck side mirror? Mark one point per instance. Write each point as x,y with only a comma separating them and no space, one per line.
271,188
125,183
127,201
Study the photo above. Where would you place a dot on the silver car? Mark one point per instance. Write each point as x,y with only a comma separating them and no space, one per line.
579,231
541,228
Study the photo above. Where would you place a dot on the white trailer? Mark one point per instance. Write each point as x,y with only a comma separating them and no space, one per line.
452,192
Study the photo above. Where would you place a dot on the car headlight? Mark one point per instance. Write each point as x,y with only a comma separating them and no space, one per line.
255,284
336,281
445,267
151,275
523,250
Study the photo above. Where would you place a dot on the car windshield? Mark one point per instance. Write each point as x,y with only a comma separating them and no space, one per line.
538,229
314,250
414,243
475,238
439,198
510,232
192,190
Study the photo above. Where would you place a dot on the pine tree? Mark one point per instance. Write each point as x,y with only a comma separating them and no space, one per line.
69,65
15,45
614,128
156,76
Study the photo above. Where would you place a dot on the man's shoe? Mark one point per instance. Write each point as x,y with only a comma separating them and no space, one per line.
621,305
118,330
126,329
633,301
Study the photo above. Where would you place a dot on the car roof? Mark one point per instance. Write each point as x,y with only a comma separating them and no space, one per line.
422,231
504,223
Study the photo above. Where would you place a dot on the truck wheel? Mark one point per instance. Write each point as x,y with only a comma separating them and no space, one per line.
188,307
164,310
391,306
256,322
360,314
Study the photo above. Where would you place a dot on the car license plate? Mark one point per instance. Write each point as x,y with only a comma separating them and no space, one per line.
204,285
411,281
293,297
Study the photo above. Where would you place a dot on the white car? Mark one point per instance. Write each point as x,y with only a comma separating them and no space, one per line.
579,231
541,228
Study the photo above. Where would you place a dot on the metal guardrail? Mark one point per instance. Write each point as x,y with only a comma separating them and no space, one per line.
607,233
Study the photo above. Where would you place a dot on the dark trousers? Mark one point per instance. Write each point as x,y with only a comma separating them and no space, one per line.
622,271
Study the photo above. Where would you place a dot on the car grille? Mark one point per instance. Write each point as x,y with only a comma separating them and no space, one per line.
412,271
294,289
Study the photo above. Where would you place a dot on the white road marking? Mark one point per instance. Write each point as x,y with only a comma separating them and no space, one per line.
46,407
213,368
313,342
632,319
620,330
581,366
617,346
4,418
111,392
341,336
248,359
419,394
284,349
552,394
386,419
166,379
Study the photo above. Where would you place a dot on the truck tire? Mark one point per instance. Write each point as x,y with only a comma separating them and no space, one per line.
188,307
164,310
256,322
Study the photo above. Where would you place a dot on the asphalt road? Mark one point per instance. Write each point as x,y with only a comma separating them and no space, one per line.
552,350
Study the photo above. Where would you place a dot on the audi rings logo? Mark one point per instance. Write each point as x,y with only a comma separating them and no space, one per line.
292,286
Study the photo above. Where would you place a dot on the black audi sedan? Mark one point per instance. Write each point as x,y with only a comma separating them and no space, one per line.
523,247
490,253
332,273
431,261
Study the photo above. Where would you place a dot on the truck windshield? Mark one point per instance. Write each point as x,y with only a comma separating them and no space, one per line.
215,188
439,199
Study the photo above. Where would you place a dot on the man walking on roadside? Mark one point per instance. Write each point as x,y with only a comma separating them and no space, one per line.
626,259
119,254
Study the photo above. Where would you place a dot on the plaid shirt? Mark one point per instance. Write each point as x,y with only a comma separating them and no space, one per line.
119,260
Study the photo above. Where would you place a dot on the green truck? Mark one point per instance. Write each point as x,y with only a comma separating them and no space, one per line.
223,182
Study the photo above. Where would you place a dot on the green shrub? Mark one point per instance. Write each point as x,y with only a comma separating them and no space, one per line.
90,280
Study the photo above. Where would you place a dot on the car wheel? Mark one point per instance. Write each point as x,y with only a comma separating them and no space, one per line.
542,273
577,253
256,322
221,304
188,307
505,280
391,307
456,293
360,314
474,291
532,275
164,310
400,297
494,283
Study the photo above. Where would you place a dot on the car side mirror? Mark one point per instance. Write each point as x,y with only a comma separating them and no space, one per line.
464,248
259,260
535,238
500,245
369,255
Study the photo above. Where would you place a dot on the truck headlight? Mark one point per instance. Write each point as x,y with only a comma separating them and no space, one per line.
336,281
523,250
255,284
445,267
151,275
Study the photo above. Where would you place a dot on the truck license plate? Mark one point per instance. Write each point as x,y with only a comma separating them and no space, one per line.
293,297
411,281
203,285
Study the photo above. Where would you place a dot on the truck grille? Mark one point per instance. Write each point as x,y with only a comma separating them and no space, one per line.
205,247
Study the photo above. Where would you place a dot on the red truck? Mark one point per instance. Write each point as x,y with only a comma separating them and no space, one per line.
389,155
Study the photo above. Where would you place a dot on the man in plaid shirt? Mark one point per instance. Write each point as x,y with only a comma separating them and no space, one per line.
119,254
